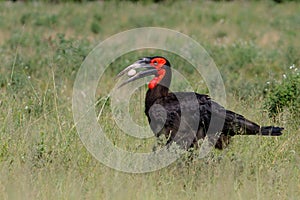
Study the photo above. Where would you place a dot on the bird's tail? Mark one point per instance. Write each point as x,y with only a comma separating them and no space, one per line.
271,130
238,124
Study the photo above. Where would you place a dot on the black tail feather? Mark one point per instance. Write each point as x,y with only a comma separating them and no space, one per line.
237,124
271,130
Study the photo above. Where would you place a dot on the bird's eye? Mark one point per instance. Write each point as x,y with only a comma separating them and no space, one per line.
155,63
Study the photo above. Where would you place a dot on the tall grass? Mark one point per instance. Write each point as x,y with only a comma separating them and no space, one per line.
42,47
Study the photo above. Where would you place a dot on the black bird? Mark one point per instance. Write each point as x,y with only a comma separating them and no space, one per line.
165,110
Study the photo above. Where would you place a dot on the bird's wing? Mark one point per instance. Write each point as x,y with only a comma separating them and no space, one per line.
224,121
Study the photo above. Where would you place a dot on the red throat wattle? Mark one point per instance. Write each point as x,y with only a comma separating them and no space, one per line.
158,63
153,83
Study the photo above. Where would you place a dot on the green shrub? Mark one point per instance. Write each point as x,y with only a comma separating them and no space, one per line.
95,27
285,94
69,55
45,20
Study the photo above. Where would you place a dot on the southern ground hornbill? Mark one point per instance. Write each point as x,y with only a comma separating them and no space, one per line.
165,109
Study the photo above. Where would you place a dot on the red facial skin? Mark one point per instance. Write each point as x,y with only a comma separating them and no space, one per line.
158,63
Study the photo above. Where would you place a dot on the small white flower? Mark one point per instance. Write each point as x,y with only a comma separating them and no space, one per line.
26,107
268,82
292,66
284,76
29,77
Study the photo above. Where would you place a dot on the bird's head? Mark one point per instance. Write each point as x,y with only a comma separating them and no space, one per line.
157,66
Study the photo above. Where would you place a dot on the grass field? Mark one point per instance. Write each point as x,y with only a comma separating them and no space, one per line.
42,47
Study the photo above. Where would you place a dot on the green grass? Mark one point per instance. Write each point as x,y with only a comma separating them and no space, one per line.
42,47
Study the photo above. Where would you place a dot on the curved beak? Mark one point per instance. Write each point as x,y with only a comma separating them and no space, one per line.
140,64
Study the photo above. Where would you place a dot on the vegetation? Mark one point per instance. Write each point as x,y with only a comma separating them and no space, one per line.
285,93
42,47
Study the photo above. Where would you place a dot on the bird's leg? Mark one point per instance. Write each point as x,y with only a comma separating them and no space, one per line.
222,141
169,136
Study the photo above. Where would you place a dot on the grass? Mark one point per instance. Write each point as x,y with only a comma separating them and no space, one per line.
42,47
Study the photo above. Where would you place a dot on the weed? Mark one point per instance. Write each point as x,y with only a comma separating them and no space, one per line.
284,94
95,27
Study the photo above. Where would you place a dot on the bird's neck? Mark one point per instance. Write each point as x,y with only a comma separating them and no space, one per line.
152,95
160,90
